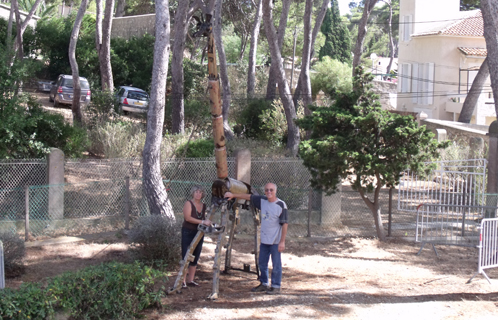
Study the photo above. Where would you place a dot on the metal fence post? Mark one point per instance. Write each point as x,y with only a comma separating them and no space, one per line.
127,203
2,268
310,207
26,220
390,223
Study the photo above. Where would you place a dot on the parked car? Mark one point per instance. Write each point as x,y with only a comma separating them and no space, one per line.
132,99
62,91
44,86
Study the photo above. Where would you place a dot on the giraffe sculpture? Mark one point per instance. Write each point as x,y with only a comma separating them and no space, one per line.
221,185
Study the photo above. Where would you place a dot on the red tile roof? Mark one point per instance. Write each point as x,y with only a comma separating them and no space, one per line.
470,25
478,52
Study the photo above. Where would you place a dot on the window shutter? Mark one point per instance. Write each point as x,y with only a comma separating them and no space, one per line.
415,83
430,83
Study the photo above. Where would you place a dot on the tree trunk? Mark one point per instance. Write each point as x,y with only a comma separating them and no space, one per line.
273,73
77,117
251,72
225,83
105,49
18,45
376,212
98,28
473,95
156,194
489,9
285,94
8,41
177,76
305,66
316,29
120,9
362,32
22,27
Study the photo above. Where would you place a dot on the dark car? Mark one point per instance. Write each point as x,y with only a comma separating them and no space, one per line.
62,91
132,99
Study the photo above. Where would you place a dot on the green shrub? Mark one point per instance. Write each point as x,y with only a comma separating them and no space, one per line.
109,291
250,125
201,148
103,107
30,301
28,131
154,238
14,251
117,139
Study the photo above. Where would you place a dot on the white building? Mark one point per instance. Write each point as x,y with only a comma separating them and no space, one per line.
440,51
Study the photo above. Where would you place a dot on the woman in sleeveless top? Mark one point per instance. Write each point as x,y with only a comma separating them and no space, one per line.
194,213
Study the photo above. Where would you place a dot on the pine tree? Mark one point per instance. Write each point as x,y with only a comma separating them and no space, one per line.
337,38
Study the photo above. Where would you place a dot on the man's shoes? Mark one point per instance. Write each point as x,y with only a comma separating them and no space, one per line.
193,284
273,290
260,288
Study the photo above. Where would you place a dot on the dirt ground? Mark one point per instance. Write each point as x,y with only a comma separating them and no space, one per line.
344,278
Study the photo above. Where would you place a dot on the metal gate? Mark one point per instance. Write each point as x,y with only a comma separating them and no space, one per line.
449,224
488,247
456,182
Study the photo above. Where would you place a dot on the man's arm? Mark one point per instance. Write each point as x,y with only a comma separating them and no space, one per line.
245,196
281,244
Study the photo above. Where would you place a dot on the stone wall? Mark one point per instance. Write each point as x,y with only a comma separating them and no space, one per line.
457,131
127,27
387,92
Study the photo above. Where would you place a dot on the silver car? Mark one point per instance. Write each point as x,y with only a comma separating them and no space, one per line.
132,99
62,91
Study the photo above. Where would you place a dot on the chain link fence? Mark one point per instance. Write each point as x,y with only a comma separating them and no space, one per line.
97,198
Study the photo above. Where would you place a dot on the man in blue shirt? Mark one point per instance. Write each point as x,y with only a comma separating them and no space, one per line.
274,224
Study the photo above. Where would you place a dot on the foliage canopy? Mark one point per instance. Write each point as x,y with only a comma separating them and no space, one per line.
355,139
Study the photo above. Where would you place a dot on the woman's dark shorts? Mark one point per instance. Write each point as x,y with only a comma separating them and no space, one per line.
187,236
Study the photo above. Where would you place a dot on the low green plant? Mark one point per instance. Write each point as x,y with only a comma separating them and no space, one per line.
108,291
248,119
201,148
28,131
274,123
155,238
120,139
103,107
14,252
30,301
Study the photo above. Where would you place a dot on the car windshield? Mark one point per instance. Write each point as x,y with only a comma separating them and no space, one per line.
138,95
68,82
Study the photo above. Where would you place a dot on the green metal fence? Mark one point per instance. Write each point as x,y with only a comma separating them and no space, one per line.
98,198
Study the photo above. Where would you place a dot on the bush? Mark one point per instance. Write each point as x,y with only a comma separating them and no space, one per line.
28,131
117,139
14,252
103,107
250,118
30,301
108,291
155,238
201,148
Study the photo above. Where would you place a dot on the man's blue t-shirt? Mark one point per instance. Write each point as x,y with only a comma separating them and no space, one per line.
273,216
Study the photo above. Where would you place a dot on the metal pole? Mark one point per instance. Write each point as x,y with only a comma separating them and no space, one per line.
2,268
127,203
26,220
310,206
390,212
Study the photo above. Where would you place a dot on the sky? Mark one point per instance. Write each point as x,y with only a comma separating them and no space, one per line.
344,6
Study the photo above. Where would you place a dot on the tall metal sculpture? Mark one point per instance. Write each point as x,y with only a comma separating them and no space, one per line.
222,184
